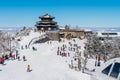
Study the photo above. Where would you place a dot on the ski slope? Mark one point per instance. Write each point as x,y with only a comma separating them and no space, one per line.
44,62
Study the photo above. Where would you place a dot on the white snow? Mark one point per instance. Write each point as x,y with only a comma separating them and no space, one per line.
27,39
44,62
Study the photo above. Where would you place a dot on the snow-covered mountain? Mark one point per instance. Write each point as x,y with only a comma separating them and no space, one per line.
17,29
10,29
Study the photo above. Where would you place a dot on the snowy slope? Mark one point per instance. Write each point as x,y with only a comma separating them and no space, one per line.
45,64
26,39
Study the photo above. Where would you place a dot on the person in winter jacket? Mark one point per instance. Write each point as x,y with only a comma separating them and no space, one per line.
18,58
68,54
0,60
58,52
28,68
10,54
13,57
22,47
6,56
16,55
26,46
24,58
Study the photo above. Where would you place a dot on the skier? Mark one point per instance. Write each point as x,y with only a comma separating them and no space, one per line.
68,54
10,55
22,47
3,56
61,49
95,62
58,48
26,46
28,68
33,48
65,54
58,52
6,56
13,57
0,60
18,58
16,54
24,59
99,61
16,51
50,42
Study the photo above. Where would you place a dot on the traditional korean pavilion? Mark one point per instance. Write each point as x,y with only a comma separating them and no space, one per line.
47,23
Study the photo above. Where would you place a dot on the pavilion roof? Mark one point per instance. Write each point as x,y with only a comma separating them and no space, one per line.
45,25
46,22
47,16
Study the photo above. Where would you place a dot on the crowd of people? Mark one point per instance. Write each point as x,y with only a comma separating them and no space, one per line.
73,50
13,55
70,49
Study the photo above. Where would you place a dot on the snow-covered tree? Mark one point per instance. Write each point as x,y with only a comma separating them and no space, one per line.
115,51
93,45
67,27
106,48
5,41
93,48
110,48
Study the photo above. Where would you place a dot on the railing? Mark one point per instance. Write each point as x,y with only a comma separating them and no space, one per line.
37,38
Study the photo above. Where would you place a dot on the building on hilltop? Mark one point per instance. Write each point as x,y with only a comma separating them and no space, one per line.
48,26
54,32
88,32
47,23
70,33
107,35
